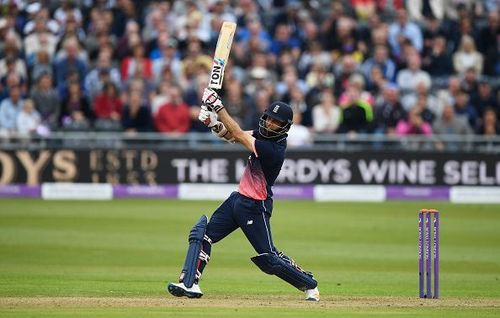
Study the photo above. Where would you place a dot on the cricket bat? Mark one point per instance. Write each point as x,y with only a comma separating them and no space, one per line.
221,55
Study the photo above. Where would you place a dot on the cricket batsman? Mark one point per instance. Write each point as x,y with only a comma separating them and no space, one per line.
250,207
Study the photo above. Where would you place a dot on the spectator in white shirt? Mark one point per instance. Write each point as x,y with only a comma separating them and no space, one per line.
326,115
28,119
299,135
408,78
40,39
9,108
467,57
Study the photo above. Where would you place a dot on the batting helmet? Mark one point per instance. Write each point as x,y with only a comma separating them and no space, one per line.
280,112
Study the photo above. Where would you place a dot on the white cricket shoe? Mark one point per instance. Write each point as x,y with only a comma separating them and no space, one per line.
179,290
312,294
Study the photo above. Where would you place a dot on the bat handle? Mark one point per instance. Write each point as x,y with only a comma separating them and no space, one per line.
208,107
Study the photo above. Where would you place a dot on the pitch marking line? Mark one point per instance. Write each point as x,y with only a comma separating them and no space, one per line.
249,302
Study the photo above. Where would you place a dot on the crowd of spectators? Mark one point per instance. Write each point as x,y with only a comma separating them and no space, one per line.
360,66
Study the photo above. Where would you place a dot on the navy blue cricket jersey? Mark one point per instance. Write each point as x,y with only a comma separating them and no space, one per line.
263,167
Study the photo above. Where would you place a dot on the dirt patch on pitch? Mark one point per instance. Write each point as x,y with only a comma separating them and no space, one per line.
244,302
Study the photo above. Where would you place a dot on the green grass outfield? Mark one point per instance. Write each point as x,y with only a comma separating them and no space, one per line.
113,259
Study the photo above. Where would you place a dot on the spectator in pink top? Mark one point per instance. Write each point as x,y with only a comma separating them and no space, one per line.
414,125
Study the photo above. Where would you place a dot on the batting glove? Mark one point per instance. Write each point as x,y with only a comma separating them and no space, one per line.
207,117
212,100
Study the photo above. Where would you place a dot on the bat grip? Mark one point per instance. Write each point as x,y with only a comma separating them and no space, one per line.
208,107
